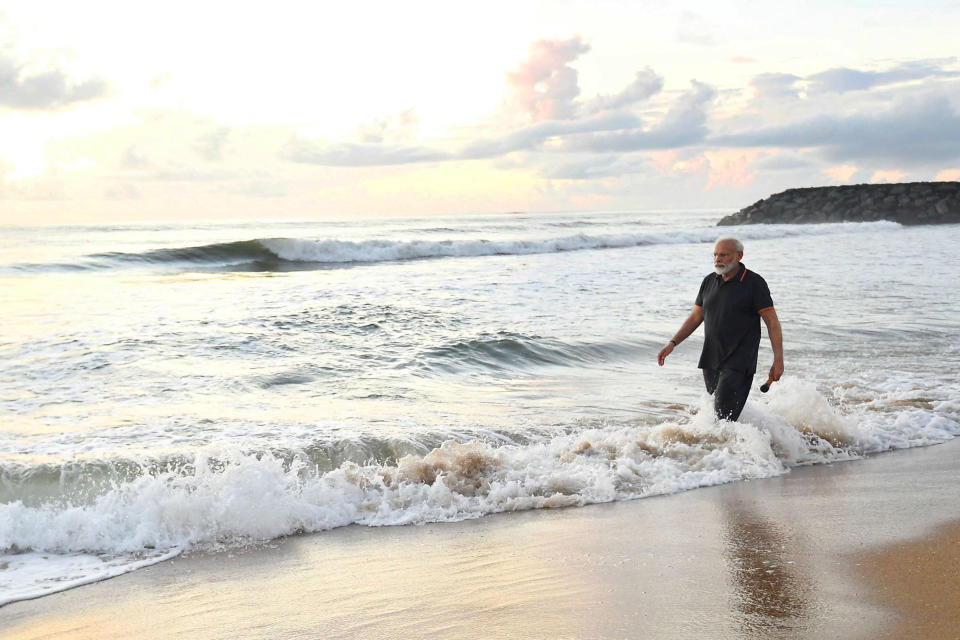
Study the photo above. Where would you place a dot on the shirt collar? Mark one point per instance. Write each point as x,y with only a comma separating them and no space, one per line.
736,278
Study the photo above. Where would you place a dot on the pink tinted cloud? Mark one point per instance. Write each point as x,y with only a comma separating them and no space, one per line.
670,162
887,176
545,86
723,168
948,175
732,168
841,173
663,160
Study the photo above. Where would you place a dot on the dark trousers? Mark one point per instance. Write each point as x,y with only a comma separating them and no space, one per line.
730,390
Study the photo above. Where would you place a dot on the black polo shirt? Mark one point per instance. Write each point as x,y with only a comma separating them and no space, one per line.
731,320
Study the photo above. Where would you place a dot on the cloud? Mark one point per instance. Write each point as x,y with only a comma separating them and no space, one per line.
390,140
399,128
721,168
594,167
544,86
783,162
673,162
585,169
534,136
530,138
48,186
842,80
44,90
731,168
177,174
544,91
948,175
133,158
808,136
924,130
210,145
841,174
645,84
683,125
888,176
358,154
770,90
122,191
602,132
689,112
776,86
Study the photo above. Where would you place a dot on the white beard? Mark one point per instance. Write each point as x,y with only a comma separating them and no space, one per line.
722,271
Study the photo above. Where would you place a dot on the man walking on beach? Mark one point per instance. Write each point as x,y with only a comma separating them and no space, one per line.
731,302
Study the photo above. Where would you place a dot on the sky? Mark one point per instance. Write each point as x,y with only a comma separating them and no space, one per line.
121,111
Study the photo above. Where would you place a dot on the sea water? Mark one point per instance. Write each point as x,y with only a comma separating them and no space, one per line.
174,387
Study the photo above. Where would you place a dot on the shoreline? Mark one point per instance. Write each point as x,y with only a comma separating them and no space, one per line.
818,552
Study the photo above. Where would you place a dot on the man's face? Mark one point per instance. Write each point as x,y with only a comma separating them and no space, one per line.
726,258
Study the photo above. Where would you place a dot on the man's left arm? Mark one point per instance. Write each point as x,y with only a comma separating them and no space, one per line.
769,316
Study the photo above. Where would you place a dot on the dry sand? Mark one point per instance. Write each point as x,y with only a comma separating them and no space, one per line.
851,550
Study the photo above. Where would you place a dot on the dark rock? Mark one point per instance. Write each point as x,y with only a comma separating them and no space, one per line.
906,203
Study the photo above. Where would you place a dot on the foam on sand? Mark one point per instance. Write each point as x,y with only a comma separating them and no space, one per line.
228,497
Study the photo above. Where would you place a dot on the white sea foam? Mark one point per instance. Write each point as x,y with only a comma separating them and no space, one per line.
123,390
340,251
228,497
35,574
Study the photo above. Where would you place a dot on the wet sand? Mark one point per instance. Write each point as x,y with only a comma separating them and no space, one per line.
852,550
920,580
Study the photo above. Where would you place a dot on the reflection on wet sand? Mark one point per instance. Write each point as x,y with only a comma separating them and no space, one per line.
771,591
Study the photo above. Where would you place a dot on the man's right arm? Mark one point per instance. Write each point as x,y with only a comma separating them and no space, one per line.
694,320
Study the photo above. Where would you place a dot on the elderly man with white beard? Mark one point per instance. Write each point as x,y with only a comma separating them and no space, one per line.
730,304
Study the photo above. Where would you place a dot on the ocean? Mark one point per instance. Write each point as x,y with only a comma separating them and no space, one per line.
177,387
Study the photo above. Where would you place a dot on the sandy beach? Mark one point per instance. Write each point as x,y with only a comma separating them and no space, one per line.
401,320
861,549
921,581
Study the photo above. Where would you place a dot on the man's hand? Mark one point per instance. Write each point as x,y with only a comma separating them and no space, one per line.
776,370
662,356
689,326
769,316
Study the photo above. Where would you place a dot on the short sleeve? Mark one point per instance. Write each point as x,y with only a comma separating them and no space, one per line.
761,296
699,301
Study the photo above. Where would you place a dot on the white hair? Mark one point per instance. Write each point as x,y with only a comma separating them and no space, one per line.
735,241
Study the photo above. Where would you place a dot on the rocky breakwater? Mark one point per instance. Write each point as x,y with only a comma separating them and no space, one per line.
908,203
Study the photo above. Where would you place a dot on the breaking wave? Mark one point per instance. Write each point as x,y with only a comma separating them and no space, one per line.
278,254
142,512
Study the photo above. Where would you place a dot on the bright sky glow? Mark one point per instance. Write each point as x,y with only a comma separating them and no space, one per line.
196,110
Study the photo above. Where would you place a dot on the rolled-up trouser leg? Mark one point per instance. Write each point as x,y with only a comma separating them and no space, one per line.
730,390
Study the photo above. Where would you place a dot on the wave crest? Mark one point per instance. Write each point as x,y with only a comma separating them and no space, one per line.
217,498
278,254
506,350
